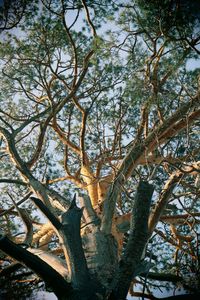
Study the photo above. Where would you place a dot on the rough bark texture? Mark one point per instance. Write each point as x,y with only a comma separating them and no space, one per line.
137,241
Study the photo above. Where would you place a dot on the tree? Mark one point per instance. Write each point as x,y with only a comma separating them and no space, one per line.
99,124
12,12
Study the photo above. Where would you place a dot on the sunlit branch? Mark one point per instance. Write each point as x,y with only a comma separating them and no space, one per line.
138,150
26,220
82,138
70,178
181,219
63,137
36,155
54,221
51,259
166,193
73,45
88,18
172,241
163,200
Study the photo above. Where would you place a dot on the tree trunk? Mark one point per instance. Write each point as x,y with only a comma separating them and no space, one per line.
93,268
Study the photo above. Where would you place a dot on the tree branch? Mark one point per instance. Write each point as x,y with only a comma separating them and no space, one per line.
163,200
169,128
74,254
45,271
136,243
27,222
15,181
26,197
40,141
54,221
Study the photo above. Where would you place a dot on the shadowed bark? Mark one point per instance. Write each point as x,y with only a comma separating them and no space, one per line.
60,287
136,243
69,232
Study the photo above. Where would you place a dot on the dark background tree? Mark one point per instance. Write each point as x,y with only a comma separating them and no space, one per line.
12,12
99,100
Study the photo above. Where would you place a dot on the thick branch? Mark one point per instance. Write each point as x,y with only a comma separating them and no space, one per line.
181,219
169,128
163,200
54,221
51,259
74,254
167,191
23,168
137,241
15,181
47,273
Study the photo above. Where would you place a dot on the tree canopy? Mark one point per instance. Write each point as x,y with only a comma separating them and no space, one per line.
99,147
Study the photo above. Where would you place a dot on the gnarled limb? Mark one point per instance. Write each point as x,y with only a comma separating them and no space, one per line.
69,233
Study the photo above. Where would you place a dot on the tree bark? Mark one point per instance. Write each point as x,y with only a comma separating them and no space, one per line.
60,287
68,231
138,238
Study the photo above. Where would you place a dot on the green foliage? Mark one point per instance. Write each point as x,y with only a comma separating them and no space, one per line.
139,56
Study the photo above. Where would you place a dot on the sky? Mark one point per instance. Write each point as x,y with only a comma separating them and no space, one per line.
191,65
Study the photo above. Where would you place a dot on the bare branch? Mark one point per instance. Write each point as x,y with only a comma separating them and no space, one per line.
26,197
15,181
45,271
38,149
138,150
27,222
46,212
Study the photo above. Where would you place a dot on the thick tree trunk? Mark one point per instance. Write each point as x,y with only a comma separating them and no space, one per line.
92,259
132,257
